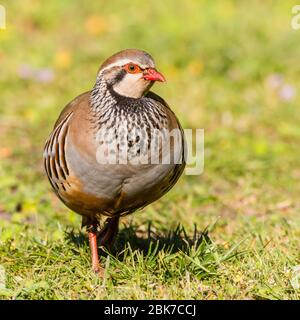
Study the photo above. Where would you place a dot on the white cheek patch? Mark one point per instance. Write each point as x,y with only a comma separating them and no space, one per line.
132,85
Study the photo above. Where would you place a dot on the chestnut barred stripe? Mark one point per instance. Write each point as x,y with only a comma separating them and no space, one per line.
54,155
62,151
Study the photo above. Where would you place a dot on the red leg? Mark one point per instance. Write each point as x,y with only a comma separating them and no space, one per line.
94,250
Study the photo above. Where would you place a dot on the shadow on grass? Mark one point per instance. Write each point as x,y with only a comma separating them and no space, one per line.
197,253
172,240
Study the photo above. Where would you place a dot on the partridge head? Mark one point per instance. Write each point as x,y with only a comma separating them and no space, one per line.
130,73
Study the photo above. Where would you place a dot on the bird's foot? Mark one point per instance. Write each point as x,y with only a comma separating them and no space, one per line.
98,270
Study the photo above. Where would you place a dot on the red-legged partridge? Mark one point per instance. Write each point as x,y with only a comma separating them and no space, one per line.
119,111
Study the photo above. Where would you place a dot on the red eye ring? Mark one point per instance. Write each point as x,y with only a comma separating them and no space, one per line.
132,68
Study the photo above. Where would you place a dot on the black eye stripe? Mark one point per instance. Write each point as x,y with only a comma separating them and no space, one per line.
120,76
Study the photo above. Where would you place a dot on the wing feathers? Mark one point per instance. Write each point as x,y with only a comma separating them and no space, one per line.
54,155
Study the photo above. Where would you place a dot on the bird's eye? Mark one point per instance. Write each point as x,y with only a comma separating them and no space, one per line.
132,68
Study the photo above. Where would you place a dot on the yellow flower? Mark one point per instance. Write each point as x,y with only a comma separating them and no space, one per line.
225,245
96,25
63,59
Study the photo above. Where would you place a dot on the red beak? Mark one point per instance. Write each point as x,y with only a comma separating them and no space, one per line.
152,75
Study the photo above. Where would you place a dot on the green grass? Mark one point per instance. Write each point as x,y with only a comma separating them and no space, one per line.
232,232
